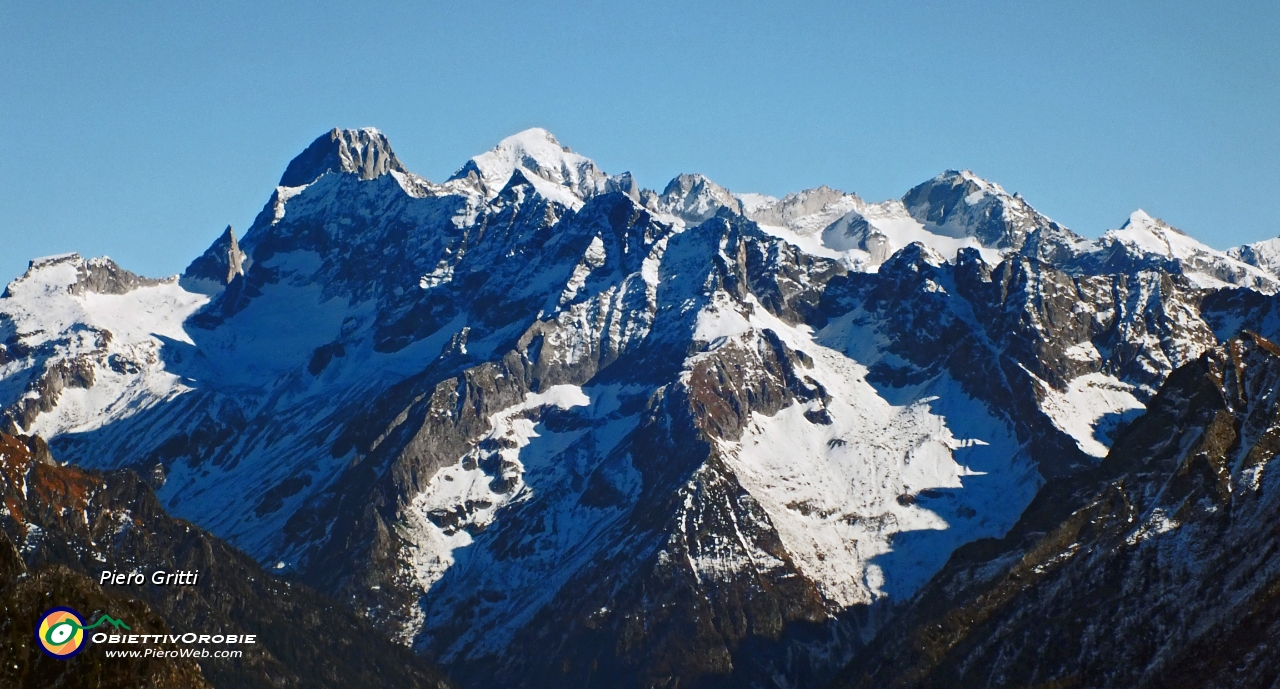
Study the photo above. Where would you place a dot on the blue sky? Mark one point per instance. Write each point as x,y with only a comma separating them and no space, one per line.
140,129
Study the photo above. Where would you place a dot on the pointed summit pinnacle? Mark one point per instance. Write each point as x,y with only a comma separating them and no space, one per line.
235,257
217,266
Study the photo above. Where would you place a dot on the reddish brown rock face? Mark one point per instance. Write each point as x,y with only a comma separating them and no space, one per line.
63,526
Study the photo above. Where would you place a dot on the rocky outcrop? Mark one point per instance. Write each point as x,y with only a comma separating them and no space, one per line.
62,526
45,390
97,275
217,266
695,199
1154,569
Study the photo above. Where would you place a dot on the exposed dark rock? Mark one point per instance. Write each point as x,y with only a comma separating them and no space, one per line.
1155,569
218,265
63,526
365,153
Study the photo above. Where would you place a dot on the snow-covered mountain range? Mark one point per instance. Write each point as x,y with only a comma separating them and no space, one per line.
548,427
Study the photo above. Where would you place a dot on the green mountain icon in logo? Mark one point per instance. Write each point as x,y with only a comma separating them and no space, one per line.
67,628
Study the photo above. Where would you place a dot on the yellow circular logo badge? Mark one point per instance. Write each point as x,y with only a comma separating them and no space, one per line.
60,632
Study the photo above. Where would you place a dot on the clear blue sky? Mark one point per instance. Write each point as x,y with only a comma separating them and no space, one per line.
139,130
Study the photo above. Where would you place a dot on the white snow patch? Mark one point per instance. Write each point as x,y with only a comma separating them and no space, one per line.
1158,522
869,236
557,173
720,319
466,490
592,259
874,503
752,203
283,194
1084,351
1091,406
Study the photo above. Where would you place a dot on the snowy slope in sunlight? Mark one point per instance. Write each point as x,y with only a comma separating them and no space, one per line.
1144,240
98,355
875,500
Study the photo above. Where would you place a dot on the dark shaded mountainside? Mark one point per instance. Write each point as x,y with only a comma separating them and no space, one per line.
1158,568
62,526
549,429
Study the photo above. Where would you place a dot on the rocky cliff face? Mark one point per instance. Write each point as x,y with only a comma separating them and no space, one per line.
365,153
60,527
1153,569
548,428
217,266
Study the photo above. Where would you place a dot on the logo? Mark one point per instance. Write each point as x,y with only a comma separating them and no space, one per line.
60,631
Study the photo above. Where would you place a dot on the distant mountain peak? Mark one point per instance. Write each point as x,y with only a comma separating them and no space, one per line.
694,198
959,203
1138,217
936,200
363,152
1150,242
1141,220
532,138
808,211
539,154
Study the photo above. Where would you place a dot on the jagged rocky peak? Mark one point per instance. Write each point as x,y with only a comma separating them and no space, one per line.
217,266
78,275
958,203
625,183
364,152
235,257
541,158
695,199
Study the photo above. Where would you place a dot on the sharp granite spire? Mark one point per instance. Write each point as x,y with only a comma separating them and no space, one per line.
217,266
235,257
